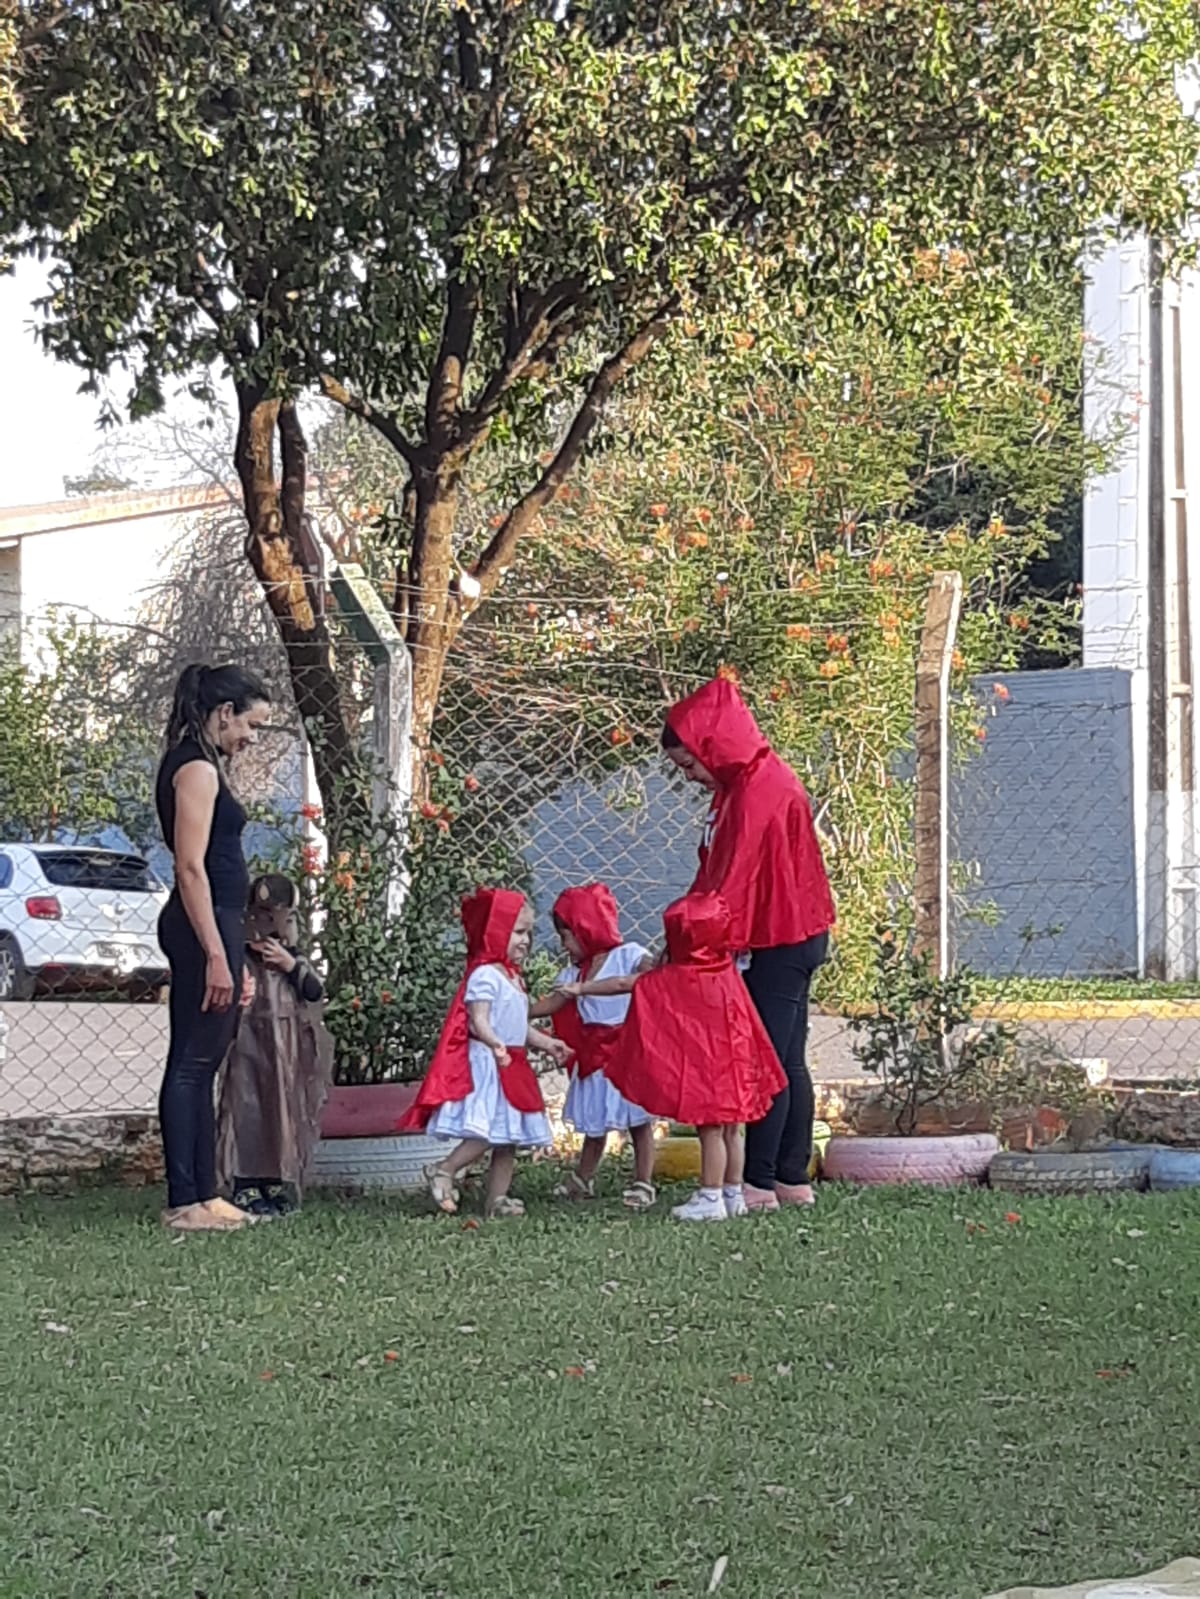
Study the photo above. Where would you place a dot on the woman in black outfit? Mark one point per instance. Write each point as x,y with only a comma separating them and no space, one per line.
217,713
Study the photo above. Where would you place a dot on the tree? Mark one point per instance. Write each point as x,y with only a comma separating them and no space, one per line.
472,225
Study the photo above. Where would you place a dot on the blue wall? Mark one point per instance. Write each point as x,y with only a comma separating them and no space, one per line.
1045,812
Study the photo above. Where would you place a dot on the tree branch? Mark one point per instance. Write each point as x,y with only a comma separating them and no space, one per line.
383,423
536,334
498,554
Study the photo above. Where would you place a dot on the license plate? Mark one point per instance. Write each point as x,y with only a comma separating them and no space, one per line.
124,958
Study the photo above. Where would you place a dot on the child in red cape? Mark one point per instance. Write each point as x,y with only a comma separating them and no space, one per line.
693,1048
589,926
480,1090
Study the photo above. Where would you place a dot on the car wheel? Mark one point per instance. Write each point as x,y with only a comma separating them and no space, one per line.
15,981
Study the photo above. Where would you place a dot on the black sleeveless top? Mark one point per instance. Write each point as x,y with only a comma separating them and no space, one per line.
224,862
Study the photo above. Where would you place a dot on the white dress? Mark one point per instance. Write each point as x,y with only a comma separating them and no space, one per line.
593,1106
485,1113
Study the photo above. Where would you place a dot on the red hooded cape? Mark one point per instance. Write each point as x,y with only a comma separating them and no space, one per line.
591,914
488,917
763,856
693,1047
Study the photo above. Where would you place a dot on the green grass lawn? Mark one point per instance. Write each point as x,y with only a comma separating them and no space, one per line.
899,1394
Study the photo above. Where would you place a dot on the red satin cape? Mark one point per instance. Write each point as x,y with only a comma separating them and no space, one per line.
763,857
693,1048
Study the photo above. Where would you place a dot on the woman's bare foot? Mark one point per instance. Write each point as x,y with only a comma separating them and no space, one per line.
224,1211
199,1219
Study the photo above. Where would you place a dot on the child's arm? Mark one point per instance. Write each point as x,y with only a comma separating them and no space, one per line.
549,1004
601,987
305,981
479,1021
557,1047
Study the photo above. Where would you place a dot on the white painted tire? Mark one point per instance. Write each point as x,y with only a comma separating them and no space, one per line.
357,1164
938,1162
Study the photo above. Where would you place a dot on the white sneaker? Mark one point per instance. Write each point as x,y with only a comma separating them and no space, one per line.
735,1202
702,1206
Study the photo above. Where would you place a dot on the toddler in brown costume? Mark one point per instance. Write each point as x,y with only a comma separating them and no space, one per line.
277,1075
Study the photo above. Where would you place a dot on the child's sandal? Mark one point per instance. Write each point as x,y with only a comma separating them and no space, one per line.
442,1189
640,1196
576,1187
506,1208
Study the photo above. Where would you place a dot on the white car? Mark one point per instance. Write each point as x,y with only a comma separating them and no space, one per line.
76,919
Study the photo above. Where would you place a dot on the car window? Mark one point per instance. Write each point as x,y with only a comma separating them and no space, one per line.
81,868
6,871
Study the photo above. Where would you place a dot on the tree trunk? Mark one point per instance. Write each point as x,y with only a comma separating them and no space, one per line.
428,601
281,554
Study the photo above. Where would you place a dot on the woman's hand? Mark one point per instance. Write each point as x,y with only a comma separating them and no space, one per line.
500,1051
218,984
272,953
570,990
249,989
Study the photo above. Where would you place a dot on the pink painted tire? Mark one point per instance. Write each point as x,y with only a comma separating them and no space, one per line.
937,1162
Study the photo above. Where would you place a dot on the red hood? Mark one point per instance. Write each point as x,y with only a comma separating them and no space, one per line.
591,914
715,725
488,917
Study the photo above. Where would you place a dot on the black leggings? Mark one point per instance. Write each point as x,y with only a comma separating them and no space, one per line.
779,1148
200,1041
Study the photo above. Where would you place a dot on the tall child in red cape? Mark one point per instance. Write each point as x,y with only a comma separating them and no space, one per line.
693,1048
762,855
480,1090
589,926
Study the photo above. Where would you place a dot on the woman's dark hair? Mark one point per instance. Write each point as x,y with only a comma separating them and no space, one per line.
559,925
203,689
669,738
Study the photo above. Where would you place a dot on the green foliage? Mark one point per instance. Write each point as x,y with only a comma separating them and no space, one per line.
390,975
68,765
921,1038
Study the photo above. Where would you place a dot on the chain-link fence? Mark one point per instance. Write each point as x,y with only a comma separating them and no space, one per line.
544,770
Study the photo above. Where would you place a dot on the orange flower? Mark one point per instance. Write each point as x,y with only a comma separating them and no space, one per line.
311,859
878,569
698,541
808,584
658,511
620,735
743,341
531,609
996,528
435,759
957,661
385,997
890,620
471,783
837,644
981,734
798,630
429,810
311,813
1019,622
745,524
829,669
1012,1217
729,673
356,1003
496,521
1000,690
344,880
703,515
391,1356
826,562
